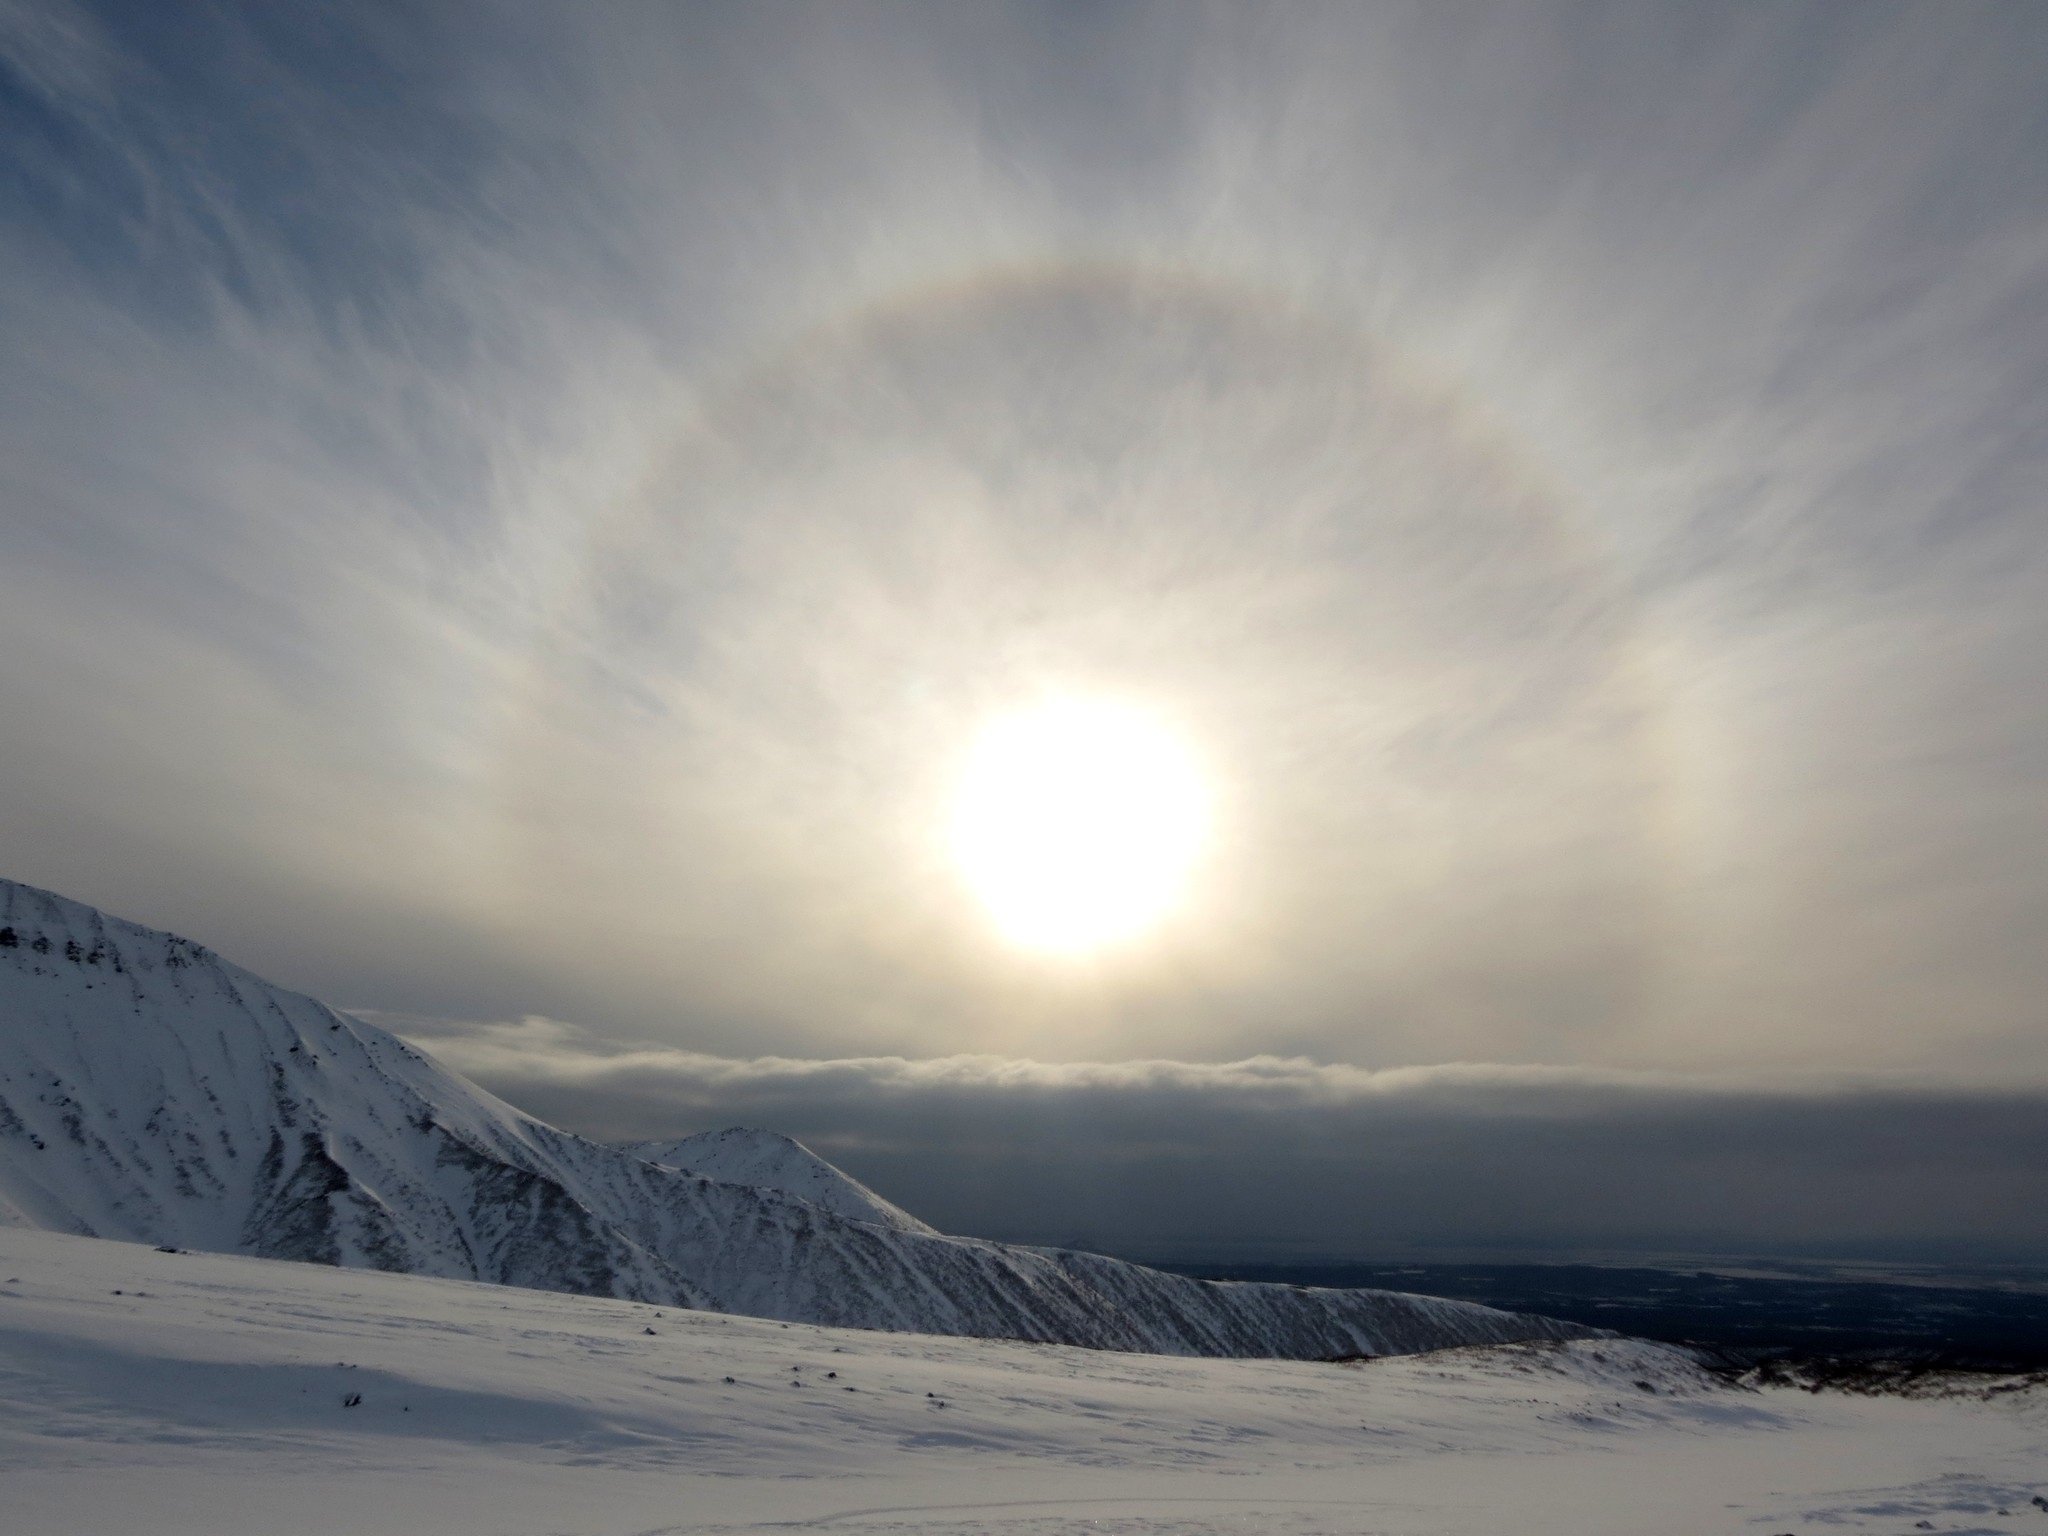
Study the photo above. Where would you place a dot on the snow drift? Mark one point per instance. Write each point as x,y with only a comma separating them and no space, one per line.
150,1090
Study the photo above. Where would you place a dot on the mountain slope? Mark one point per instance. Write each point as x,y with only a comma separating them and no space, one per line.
152,1091
767,1161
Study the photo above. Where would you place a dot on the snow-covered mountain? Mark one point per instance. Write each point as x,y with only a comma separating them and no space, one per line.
769,1161
150,1090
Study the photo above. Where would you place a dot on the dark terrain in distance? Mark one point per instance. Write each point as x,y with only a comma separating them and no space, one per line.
1760,1317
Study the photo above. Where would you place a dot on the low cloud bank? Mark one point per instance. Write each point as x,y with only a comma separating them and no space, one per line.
1280,1156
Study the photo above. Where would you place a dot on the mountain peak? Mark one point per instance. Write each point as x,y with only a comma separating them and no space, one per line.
770,1160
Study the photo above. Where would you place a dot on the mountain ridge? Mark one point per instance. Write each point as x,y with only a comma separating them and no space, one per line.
151,1090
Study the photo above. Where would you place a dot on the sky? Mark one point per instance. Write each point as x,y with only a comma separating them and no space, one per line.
515,517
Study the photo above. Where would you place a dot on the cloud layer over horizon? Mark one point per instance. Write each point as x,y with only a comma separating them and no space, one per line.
1275,1158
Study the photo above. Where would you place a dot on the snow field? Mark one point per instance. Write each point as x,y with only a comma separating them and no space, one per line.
187,1392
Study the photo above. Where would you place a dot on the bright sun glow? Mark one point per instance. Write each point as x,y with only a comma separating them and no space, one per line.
1078,823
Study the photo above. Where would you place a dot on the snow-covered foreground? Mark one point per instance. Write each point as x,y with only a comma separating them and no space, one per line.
188,1392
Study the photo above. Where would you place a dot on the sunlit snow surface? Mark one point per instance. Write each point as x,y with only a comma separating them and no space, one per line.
188,1393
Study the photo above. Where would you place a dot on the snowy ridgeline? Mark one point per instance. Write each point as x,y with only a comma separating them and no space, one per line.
189,1394
151,1091
768,1161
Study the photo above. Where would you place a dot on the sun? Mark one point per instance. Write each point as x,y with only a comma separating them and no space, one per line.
1078,822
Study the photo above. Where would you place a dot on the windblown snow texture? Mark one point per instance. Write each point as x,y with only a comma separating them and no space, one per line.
150,1090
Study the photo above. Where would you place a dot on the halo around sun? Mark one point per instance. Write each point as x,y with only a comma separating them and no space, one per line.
1078,823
